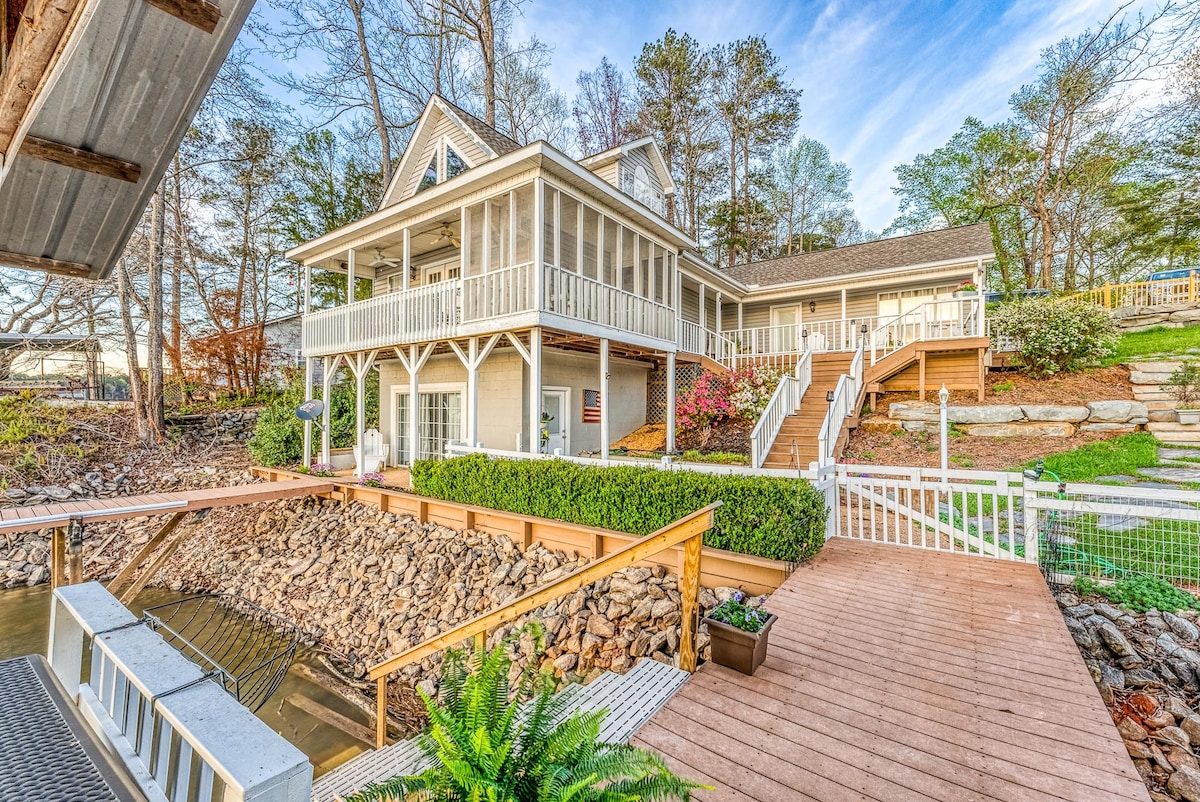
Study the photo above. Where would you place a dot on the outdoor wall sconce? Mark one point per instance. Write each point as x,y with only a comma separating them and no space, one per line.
864,328
829,396
812,306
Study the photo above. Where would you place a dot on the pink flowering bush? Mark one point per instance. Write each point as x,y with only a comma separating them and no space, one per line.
738,395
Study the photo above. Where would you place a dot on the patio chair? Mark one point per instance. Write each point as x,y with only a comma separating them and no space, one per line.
371,454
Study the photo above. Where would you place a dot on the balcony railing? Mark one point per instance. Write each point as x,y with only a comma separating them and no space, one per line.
935,320
417,315
577,296
499,293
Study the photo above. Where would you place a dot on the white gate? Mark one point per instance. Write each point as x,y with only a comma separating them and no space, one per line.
969,512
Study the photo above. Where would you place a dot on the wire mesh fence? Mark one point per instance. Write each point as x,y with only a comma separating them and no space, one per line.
1117,532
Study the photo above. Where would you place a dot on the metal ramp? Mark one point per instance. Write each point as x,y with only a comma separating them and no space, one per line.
631,699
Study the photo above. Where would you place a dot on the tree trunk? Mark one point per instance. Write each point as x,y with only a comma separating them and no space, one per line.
137,390
487,49
154,334
175,340
385,145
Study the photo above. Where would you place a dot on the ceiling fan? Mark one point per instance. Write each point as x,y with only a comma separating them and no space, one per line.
445,233
384,261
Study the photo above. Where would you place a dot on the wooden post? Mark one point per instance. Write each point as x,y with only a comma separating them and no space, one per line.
58,553
689,592
75,551
1192,287
670,402
1108,295
921,377
381,713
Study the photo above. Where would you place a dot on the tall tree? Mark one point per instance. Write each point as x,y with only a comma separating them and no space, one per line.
674,84
605,109
758,108
809,194
528,108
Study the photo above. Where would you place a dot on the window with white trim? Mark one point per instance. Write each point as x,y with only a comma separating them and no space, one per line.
444,164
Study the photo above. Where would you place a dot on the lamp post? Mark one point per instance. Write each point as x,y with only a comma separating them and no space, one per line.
943,399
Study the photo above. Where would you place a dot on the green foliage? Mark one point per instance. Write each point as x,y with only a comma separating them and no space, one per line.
1054,336
1004,387
781,519
485,750
737,613
1140,593
1153,342
962,461
1184,385
717,457
1121,455
29,431
279,435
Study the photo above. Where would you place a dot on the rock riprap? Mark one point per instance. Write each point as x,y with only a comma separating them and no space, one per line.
1147,668
370,584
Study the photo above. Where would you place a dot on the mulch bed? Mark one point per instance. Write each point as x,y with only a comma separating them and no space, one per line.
920,449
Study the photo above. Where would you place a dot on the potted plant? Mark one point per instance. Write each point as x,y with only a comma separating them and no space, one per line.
967,289
1184,385
738,633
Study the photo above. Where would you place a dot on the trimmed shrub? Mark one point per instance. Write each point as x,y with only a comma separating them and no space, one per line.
1055,336
781,519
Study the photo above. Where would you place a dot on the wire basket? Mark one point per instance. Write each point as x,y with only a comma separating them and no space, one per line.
248,648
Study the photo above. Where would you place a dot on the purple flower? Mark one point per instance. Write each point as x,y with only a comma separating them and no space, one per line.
738,596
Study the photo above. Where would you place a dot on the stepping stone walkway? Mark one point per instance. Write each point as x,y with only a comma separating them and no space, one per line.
1176,453
1181,475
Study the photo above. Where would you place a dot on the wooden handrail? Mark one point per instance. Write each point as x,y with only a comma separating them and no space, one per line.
690,528
1169,290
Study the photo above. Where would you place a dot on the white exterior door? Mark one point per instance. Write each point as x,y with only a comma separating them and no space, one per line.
785,329
555,416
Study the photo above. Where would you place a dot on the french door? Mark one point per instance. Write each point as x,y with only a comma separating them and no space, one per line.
439,422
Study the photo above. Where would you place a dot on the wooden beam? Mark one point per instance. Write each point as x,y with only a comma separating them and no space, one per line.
58,557
45,264
358,732
48,150
40,39
689,592
126,574
198,13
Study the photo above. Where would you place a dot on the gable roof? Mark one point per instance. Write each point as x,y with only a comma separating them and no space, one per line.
485,141
597,160
947,244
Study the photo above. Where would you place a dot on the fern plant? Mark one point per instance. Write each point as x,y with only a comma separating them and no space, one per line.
493,742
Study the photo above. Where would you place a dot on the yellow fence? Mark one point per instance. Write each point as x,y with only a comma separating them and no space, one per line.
1144,293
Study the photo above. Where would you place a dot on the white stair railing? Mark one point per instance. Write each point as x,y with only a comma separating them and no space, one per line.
784,402
936,320
845,398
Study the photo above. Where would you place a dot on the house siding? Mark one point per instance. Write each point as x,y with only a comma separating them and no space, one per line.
459,141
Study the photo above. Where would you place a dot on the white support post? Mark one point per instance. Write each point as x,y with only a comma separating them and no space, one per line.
980,289
670,402
360,415
307,289
473,392
739,315
408,259
539,243
703,311
535,390
414,406
605,443
351,276
308,424
328,365
719,300
846,341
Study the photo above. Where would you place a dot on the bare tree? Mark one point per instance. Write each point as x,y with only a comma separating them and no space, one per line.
605,109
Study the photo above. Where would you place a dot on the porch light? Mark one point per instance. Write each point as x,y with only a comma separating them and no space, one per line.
943,399
812,306
804,333
829,396
864,328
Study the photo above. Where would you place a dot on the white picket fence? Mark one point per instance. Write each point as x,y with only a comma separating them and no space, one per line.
180,735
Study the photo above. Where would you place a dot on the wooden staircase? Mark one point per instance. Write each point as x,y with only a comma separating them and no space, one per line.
796,444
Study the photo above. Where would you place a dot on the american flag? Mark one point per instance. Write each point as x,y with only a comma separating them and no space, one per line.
591,406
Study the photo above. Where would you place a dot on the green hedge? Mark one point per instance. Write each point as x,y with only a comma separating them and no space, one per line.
783,519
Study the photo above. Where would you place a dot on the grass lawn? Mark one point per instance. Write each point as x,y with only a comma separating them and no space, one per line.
1121,455
1141,344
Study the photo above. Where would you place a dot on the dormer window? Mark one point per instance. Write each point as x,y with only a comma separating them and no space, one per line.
443,165
642,189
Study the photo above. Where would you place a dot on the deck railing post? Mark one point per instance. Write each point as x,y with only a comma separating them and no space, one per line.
1030,514
689,592
381,712
58,557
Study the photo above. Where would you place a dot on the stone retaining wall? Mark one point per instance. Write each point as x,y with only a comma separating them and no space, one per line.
1023,420
1141,318
226,426
1147,379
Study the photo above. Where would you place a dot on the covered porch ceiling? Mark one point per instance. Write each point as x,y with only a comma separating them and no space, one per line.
115,86
439,236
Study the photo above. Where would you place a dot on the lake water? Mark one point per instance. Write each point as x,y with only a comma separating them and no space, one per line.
25,627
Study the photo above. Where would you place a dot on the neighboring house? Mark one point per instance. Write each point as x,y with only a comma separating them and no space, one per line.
527,300
280,348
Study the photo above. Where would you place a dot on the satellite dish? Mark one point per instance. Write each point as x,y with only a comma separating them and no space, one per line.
310,410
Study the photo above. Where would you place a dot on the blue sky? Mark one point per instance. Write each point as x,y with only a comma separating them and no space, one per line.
881,81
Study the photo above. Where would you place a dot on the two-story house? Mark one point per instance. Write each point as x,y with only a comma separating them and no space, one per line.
526,300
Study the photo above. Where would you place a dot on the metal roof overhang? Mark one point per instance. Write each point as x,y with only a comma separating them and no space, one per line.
125,84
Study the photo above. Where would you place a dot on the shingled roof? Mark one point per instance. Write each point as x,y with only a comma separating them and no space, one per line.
962,242
495,140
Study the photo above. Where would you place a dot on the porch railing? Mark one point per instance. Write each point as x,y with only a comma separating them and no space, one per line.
935,320
415,315
784,401
180,735
762,343
577,296
1145,293
693,337
499,293
843,405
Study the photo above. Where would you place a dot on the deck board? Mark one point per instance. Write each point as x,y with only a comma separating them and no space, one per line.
41,516
901,674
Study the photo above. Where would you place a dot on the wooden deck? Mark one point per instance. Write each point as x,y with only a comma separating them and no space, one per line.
41,516
898,674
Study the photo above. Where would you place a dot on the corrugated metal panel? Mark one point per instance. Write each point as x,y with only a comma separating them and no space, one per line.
127,85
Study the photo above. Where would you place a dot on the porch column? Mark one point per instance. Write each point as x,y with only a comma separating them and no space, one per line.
842,324
308,424
535,390
407,260
326,385
414,406
980,289
360,412
605,442
350,276
719,299
703,312
670,402
473,392
307,289
739,315
539,251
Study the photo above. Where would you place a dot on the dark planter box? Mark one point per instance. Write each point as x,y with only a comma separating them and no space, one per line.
736,648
